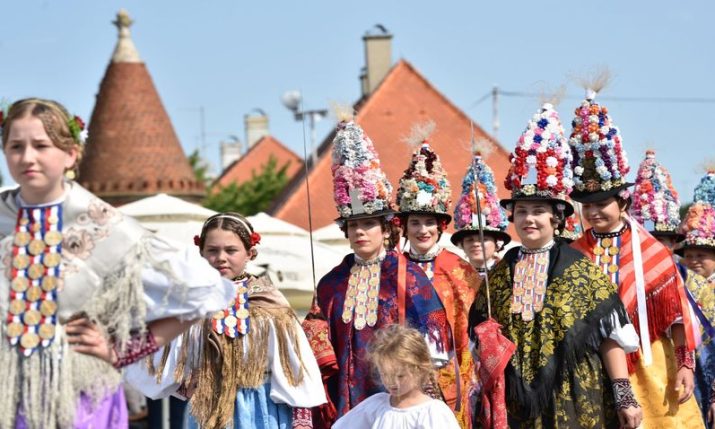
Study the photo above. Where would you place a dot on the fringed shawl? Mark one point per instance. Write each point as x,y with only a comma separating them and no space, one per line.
222,365
103,255
579,301
664,289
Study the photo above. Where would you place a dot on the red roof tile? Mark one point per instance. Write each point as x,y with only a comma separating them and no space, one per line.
257,156
387,115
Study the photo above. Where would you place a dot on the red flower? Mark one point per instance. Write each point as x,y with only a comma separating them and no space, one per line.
255,238
79,122
197,240
396,221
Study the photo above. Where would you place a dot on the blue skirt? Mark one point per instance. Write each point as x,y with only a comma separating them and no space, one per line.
255,409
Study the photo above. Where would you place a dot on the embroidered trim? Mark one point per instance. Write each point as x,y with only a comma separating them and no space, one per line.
138,346
378,260
685,358
610,234
234,320
426,257
623,394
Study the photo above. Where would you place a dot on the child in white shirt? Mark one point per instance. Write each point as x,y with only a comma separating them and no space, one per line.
402,359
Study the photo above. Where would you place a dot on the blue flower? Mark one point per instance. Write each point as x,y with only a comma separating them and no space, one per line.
543,123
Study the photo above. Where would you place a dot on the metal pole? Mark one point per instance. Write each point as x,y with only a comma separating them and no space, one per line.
313,138
495,112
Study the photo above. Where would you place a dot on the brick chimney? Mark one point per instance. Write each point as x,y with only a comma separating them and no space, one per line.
256,126
378,58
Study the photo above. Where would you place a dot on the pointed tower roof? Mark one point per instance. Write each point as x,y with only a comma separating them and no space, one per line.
133,151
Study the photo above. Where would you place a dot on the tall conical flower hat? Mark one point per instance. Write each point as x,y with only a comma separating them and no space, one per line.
656,203
360,187
541,162
466,215
424,188
599,163
699,222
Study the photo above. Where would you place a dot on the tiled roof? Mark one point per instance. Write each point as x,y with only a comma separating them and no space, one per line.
257,156
132,150
403,98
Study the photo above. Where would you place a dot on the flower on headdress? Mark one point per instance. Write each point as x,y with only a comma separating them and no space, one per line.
255,238
197,240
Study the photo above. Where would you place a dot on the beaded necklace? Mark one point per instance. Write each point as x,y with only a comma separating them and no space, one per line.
530,277
361,299
607,251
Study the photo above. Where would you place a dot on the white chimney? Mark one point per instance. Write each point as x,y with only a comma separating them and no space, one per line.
256,126
230,152
378,58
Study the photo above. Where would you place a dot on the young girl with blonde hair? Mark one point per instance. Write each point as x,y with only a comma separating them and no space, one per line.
402,360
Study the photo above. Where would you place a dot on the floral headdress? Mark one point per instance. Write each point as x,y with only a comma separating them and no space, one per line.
541,162
466,216
360,187
572,226
599,164
655,200
424,187
699,223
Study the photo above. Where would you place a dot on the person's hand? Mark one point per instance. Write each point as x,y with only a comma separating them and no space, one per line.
631,417
684,383
85,337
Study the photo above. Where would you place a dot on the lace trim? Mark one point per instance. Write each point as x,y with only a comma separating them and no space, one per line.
529,251
426,257
378,260
623,394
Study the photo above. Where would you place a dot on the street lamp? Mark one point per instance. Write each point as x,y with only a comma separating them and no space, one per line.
293,101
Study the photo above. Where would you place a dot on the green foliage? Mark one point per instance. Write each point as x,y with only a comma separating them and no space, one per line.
199,166
252,196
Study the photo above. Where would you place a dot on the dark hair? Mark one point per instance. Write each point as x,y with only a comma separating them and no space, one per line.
228,221
623,203
385,225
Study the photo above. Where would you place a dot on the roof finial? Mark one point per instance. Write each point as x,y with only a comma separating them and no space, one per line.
125,51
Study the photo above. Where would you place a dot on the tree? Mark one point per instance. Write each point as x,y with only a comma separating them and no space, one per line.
252,196
199,166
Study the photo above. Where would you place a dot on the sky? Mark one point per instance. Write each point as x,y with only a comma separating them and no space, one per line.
231,57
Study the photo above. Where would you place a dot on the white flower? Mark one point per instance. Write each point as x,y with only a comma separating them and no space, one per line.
551,180
578,170
531,160
424,198
551,161
577,120
593,119
83,135
593,137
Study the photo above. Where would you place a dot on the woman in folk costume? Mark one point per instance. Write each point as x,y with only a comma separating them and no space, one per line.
561,313
648,281
250,365
494,221
423,199
373,287
85,290
698,254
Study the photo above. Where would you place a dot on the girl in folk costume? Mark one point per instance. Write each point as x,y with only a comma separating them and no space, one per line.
402,360
494,221
84,290
656,206
250,365
648,281
373,287
423,198
698,251
561,313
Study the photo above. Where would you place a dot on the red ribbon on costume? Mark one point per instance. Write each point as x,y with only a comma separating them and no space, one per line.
494,352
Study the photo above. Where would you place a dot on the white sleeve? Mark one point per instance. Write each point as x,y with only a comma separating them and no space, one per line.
364,414
439,416
625,335
310,392
139,378
180,283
